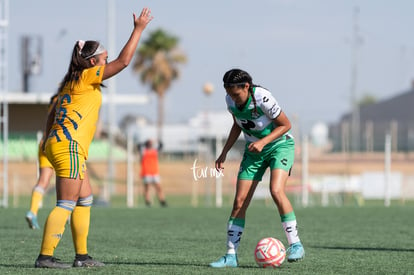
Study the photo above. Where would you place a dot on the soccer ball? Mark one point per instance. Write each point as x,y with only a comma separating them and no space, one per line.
269,252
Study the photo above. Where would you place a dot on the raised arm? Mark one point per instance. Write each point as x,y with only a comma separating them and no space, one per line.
127,52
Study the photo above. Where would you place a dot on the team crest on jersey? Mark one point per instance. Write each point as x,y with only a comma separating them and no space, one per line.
98,72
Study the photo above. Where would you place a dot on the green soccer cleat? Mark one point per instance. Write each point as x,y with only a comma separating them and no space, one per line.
86,261
32,220
228,260
295,252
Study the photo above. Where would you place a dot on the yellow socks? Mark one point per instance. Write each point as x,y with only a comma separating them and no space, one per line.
55,225
54,228
37,196
80,228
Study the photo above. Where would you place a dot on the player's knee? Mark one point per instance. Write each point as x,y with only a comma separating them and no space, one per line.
85,201
66,204
39,189
277,193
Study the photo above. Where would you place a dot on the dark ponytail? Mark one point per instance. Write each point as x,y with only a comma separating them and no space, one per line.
78,63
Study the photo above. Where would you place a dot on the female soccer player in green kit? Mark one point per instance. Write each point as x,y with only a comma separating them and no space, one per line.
266,127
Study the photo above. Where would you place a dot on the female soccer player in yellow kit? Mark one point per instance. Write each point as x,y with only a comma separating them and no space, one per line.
70,130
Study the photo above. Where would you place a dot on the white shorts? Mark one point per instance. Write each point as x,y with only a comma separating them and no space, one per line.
151,179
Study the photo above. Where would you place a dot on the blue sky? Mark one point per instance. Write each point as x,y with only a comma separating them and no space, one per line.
299,50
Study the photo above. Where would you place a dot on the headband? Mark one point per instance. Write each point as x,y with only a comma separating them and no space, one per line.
233,84
99,50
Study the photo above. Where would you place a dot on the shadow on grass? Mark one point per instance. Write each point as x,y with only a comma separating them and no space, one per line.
171,264
25,266
154,263
17,265
366,248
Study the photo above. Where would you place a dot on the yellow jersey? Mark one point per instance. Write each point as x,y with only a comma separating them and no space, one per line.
77,109
52,102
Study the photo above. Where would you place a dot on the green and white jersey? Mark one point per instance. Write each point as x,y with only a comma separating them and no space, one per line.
258,123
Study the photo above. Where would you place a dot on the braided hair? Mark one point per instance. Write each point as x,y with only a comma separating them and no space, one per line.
238,78
79,61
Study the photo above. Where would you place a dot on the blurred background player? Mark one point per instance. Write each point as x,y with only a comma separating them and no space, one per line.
45,174
268,144
70,131
150,173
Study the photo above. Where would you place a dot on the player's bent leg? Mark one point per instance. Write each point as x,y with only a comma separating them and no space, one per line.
228,260
31,219
37,196
295,252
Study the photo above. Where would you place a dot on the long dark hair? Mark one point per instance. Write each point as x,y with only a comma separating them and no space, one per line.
239,78
78,62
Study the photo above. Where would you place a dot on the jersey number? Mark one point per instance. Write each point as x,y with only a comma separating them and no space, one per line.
61,116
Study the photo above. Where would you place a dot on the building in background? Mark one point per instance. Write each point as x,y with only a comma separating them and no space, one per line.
394,116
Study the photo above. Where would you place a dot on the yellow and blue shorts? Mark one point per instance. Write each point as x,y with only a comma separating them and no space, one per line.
68,159
42,158
278,155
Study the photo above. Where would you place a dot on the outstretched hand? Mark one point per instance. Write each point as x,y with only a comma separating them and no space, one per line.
144,18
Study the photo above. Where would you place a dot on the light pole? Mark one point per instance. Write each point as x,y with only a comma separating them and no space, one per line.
4,86
208,89
109,183
355,115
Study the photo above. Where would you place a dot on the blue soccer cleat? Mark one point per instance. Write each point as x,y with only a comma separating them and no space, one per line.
228,260
32,220
295,252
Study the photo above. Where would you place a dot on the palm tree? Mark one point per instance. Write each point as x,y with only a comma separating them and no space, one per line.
157,62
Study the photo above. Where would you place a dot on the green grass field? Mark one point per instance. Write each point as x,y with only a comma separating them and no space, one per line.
183,240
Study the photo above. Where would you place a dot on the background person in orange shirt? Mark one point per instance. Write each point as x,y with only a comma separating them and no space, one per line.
150,171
